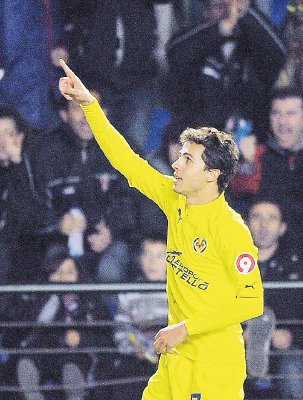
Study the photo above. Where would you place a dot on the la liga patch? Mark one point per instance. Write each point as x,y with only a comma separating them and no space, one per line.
245,263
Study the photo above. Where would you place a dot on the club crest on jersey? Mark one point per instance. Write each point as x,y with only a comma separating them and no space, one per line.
199,245
245,263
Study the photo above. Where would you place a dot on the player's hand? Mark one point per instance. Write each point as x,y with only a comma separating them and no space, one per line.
168,338
72,88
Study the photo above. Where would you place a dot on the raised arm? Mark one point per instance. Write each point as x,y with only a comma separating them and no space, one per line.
138,172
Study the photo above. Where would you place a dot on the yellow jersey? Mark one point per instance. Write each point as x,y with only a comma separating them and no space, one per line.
213,281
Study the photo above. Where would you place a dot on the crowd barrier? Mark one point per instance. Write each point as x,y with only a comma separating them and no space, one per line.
109,288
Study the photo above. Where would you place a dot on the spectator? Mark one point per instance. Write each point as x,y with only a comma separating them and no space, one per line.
226,65
28,30
291,74
138,70
77,177
121,38
69,368
277,263
139,315
275,170
89,33
25,217
163,158
278,259
107,257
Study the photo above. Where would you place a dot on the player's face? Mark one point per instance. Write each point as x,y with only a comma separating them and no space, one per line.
76,119
266,225
191,176
286,118
152,260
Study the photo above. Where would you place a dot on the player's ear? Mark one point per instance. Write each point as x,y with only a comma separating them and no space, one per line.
213,175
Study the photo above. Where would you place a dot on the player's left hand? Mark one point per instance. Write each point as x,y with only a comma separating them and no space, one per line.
168,338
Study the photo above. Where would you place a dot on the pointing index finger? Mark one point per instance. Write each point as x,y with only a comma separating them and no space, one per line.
67,70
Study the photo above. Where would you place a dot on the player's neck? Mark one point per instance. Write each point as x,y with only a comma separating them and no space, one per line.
202,197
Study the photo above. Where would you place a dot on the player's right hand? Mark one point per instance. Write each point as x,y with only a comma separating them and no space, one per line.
72,88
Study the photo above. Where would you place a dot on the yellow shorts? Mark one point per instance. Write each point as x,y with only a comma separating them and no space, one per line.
179,378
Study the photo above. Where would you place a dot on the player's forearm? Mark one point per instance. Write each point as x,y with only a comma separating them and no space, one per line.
112,143
138,172
239,310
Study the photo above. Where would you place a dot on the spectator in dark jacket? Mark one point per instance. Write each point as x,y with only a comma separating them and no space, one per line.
278,261
27,29
276,169
25,216
78,178
120,37
292,72
225,67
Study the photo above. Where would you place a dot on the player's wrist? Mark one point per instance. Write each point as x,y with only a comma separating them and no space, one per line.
89,100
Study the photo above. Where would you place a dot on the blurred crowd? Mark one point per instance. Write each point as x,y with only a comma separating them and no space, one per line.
157,67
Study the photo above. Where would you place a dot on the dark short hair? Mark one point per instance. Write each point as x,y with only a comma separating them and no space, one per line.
55,257
21,125
221,152
140,237
286,92
268,200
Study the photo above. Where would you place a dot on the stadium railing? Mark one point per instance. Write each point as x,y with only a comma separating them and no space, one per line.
110,288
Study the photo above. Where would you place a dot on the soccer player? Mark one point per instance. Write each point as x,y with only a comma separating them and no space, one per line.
213,281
